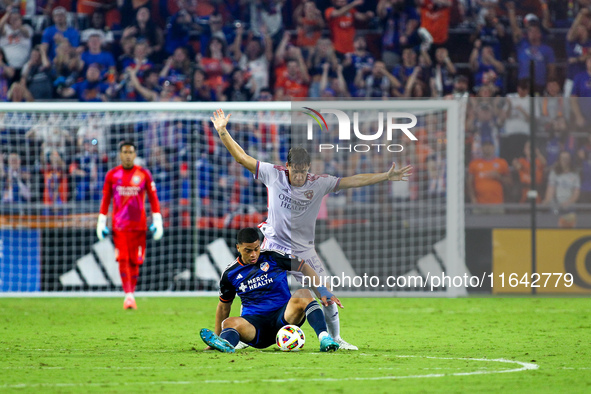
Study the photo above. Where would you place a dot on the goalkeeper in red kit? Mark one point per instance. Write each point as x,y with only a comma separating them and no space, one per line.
127,185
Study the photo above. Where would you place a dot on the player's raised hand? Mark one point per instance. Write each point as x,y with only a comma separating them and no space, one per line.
399,175
220,120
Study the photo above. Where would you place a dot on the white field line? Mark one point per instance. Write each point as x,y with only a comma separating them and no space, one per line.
522,366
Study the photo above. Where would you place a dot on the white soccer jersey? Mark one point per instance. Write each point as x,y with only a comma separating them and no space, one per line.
291,221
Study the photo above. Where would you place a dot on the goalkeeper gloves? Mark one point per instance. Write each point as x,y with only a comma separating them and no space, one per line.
156,226
101,227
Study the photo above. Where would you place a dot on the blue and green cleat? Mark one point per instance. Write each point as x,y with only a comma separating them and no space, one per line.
327,344
216,342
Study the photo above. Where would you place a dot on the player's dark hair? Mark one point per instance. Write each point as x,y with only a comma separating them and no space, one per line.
126,143
298,157
247,235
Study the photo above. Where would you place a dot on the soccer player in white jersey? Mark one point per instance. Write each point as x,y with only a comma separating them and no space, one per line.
294,197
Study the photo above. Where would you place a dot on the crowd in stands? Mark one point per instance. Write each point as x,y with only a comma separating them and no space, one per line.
261,50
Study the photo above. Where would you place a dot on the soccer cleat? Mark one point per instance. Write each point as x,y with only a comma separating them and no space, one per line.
129,303
241,345
327,344
346,345
215,341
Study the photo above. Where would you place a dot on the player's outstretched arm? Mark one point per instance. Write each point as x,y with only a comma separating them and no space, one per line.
219,122
361,180
322,291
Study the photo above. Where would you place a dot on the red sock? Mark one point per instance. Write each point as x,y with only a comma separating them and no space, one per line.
134,273
126,275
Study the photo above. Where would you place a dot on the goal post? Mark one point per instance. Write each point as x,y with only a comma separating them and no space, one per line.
55,156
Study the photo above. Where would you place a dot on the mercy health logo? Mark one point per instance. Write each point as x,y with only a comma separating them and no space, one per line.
391,119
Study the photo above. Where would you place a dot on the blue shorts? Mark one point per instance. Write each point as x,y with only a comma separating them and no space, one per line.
267,326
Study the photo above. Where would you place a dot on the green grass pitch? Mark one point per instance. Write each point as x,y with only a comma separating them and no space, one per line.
83,345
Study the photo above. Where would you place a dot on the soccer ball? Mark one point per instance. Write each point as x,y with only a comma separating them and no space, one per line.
290,338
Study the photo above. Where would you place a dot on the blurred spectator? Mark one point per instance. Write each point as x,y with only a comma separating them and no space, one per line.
516,115
266,18
256,57
96,55
435,17
178,31
400,22
6,74
559,140
36,74
341,19
484,128
323,53
293,80
85,172
91,8
140,62
59,32
584,155
530,48
563,190
130,8
55,180
435,164
460,89
487,176
99,24
200,90
144,29
52,137
333,87
582,88
578,48
161,169
15,183
149,89
403,71
490,31
215,63
523,167
94,129
360,59
309,24
15,38
486,67
66,65
18,93
214,28
177,70
89,90
379,83
415,87
553,104
442,74
239,89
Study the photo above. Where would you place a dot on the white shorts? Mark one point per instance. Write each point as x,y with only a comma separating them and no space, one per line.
309,256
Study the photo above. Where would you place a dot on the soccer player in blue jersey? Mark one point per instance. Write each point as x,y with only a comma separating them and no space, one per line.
260,280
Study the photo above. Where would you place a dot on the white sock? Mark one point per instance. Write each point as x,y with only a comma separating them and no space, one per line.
322,335
129,295
331,315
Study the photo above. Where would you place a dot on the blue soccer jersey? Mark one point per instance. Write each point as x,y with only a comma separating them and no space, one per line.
262,287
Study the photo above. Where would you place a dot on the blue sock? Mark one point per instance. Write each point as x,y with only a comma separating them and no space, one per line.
230,335
316,317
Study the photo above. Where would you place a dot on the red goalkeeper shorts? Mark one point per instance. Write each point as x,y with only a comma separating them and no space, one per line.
130,246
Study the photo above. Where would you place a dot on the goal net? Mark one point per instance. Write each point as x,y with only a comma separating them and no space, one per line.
54,158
